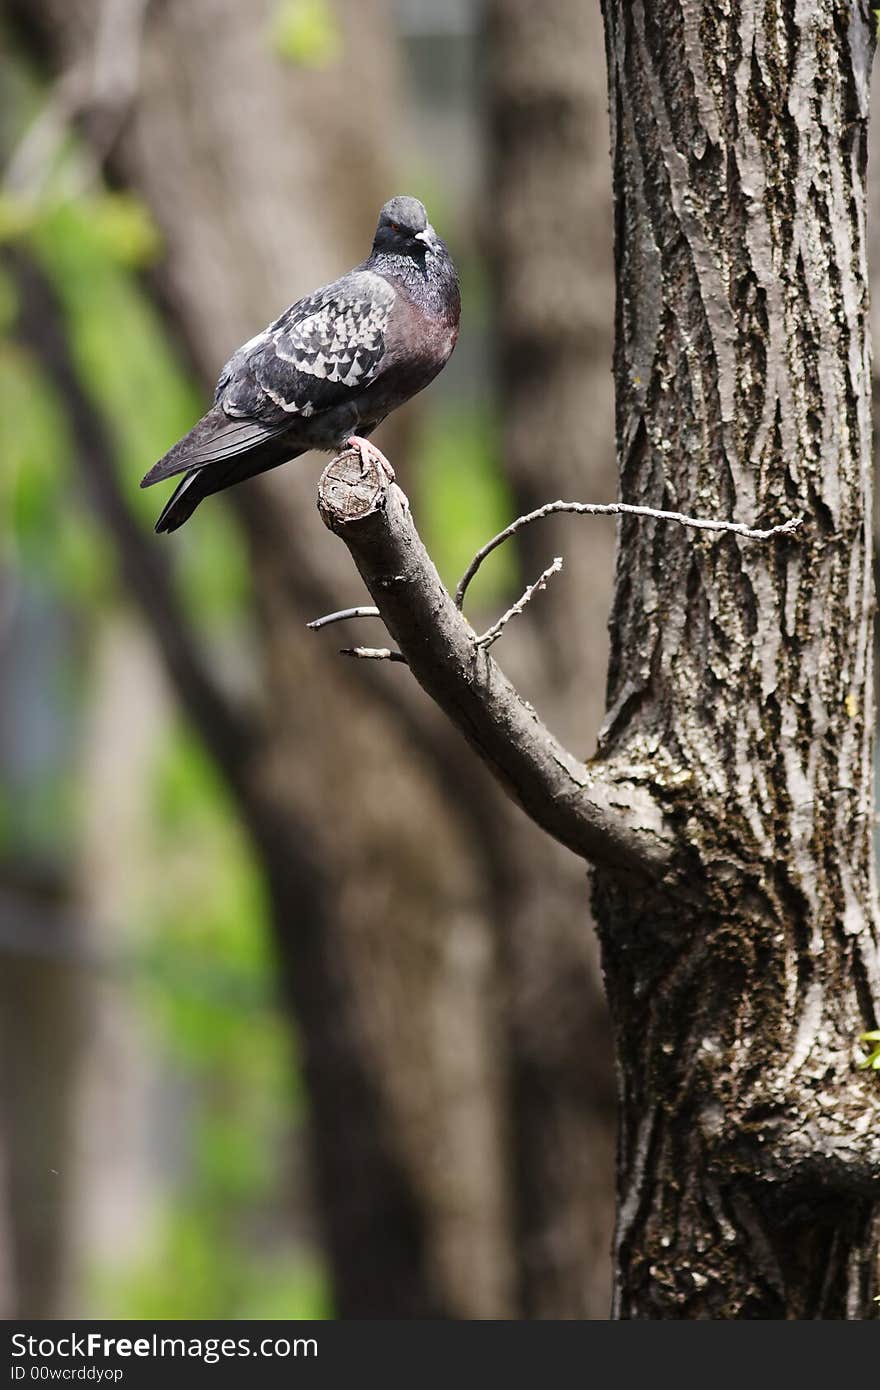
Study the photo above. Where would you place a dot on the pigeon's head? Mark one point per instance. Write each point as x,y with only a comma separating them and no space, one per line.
404,230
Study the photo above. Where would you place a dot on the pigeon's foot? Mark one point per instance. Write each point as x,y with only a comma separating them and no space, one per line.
370,454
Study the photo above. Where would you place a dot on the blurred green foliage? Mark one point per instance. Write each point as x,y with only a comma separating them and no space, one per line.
306,33
195,1270
90,247
204,979
193,956
463,500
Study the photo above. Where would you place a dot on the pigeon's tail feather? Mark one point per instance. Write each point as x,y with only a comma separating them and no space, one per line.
200,483
216,437
182,502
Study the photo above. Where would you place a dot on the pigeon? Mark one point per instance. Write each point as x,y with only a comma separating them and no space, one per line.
329,370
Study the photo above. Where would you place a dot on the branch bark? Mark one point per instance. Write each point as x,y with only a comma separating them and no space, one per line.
614,823
737,528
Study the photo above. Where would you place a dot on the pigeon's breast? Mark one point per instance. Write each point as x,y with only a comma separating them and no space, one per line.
413,359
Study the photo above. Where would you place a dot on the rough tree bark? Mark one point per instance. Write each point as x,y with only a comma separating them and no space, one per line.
740,683
738,917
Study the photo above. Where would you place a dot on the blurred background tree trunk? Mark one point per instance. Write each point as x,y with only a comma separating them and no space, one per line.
433,945
548,243
263,183
41,1014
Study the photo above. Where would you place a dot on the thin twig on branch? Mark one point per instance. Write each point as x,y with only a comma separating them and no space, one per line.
738,528
373,653
494,632
588,808
365,610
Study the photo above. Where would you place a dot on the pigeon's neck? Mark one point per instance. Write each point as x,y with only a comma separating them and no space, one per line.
431,282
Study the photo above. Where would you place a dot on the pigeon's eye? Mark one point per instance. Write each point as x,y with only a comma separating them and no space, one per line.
395,226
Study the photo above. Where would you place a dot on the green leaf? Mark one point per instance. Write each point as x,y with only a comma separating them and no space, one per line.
872,1061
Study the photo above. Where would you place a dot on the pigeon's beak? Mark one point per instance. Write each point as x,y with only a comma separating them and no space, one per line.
428,237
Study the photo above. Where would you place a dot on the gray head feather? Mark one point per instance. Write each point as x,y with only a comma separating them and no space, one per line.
406,212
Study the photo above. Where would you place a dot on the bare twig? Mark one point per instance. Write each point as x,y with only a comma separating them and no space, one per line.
494,632
363,611
373,654
591,810
738,528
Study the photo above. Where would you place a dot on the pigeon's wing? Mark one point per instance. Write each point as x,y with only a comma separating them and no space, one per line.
318,355
322,352
214,438
200,483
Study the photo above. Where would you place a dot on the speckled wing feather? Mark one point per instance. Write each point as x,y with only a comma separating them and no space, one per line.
318,355
324,350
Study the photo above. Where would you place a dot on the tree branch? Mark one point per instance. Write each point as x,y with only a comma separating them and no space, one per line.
738,528
363,611
620,825
373,654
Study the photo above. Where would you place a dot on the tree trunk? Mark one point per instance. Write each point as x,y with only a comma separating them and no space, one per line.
740,676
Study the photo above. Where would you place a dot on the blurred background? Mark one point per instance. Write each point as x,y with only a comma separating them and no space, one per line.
298,1017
